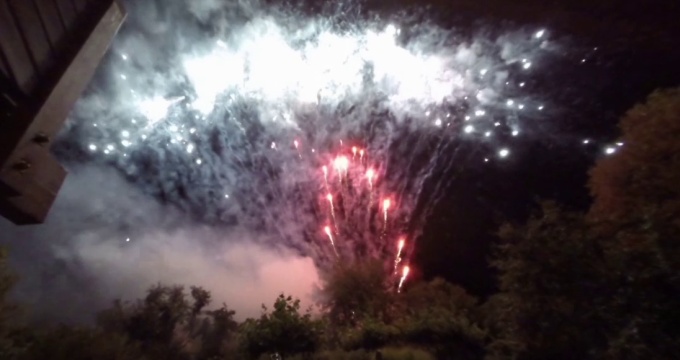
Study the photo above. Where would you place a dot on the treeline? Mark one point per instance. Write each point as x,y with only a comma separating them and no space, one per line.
602,284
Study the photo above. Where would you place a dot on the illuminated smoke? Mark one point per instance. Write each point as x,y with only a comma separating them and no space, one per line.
202,114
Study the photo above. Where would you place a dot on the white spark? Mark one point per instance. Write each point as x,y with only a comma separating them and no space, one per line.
110,147
619,144
124,56
487,134
586,141
479,113
190,148
539,34
155,109
609,150
199,161
391,30
438,122
510,103
468,129
504,153
125,133
93,147
125,143
515,132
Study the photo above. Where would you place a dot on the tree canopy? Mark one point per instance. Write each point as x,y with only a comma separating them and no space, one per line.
602,284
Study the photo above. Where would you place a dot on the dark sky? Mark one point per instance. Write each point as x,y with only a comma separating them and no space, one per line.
637,52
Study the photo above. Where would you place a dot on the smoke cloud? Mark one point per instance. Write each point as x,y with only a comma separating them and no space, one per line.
203,137
105,240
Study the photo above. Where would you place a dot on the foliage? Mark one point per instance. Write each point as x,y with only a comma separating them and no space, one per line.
553,287
357,291
284,330
642,180
169,324
605,284
443,317
218,334
403,353
70,343
637,209
390,353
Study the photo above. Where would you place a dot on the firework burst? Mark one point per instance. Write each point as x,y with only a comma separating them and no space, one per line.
206,117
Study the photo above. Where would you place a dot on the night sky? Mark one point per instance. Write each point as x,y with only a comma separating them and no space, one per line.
637,52
612,55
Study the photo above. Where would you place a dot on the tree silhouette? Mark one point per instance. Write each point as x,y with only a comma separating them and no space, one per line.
283,331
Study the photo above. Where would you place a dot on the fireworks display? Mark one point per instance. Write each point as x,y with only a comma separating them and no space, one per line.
287,124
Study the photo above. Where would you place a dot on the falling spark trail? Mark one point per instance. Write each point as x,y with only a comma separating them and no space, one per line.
403,278
297,148
369,175
400,247
386,206
330,201
327,229
325,175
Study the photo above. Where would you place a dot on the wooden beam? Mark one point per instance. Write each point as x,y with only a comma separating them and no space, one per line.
27,169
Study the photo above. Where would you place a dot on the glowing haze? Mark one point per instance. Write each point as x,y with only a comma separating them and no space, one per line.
314,135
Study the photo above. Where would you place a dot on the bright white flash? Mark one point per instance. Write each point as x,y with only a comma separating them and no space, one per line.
155,109
504,153
211,75
341,164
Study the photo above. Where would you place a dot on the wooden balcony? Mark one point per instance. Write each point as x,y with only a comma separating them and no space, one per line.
49,50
